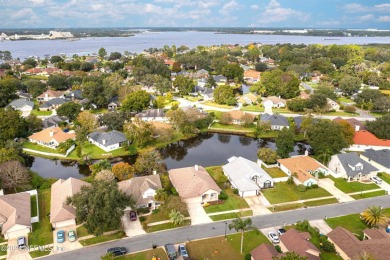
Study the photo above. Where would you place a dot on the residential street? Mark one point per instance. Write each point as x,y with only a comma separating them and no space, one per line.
175,236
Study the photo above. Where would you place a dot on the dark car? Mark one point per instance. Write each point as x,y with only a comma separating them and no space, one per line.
281,231
171,251
116,251
133,215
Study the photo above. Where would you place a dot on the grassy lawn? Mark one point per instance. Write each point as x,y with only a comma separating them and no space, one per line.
369,195
246,213
233,202
320,202
101,239
349,187
172,202
285,207
3,250
97,153
252,239
385,177
41,113
192,98
82,231
216,113
284,192
39,253
259,108
99,111
42,233
233,127
274,172
212,104
352,223
40,148
166,226
346,100
340,113
158,252
33,201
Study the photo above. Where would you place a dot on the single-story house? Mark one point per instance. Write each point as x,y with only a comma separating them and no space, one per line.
114,104
202,73
23,95
351,167
22,105
252,76
62,214
246,176
15,215
50,94
108,141
248,99
51,137
364,140
378,158
194,184
53,121
264,252
142,190
332,105
152,115
74,95
220,80
304,167
277,121
299,242
52,104
236,116
348,246
275,102
356,124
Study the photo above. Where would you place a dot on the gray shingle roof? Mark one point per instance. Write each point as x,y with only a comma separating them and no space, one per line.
151,113
19,103
379,156
112,137
350,160
53,120
275,119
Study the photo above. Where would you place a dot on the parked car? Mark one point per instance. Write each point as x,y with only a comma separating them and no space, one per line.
281,231
171,251
133,215
116,251
60,236
274,238
376,179
22,242
71,235
182,250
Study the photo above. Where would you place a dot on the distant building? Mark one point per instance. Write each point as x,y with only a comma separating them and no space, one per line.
22,105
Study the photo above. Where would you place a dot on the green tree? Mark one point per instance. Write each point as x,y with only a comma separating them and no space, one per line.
11,125
123,171
374,216
233,71
267,155
279,83
149,161
241,225
87,120
136,101
380,127
184,84
58,82
290,256
176,217
100,205
113,120
161,195
224,95
210,82
141,133
8,87
99,166
102,53
261,66
35,87
285,142
34,123
70,109
349,84
159,102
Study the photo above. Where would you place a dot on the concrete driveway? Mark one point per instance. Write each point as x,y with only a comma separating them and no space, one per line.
384,185
14,253
131,228
321,225
67,245
197,214
257,206
328,185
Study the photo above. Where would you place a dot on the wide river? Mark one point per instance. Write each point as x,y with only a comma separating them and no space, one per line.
142,41
207,149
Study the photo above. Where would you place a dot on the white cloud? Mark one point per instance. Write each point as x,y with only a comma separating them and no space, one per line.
330,23
384,18
255,7
354,8
359,8
229,7
274,12
365,18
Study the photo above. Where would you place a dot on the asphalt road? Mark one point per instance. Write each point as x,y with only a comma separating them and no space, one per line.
179,235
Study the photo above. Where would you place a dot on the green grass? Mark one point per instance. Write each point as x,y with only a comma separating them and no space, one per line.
320,202
232,128
216,173
42,231
274,172
352,223
33,201
285,207
385,177
103,238
99,111
339,113
217,114
284,192
3,250
158,252
40,148
41,113
369,194
166,226
95,152
233,202
259,108
252,239
346,100
212,104
192,98
39,253
246,213
172,202
82,231
354,186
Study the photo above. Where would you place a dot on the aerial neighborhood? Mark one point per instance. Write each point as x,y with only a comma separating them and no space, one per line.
237,151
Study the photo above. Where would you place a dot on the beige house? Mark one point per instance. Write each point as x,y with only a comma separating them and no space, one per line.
51,137
194,184
62,214
15,215
142,190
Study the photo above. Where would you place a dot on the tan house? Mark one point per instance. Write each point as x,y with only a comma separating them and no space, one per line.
252,76
248,99
274,101
49,95
294,241
15,215
51,137
376,243
142,190
237,115
194,184
62,214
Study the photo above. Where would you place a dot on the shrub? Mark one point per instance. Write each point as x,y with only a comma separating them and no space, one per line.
302,225
235,191
216,202
328,246
155,211
142,218
38,182
223,196
290,180
277,247
350,109
248,257
301,188
206,205
222,179
379,174
314,186
174,191
314,232
143,210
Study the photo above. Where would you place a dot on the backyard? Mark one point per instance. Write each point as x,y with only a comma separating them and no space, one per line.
232,127
42,230
274,172
354,186
33,202
40,148
97,153
284,192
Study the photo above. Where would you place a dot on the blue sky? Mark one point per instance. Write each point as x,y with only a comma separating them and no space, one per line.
194,13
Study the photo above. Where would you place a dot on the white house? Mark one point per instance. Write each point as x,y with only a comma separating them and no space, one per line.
51,137
332,105
156,115
49,95
22,105
246,176
378,158
275,102
108,141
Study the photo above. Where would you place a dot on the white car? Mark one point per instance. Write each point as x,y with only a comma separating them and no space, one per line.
376,179
273,237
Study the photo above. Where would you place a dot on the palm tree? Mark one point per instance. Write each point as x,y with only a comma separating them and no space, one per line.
241,225
374,216
176,217
325,155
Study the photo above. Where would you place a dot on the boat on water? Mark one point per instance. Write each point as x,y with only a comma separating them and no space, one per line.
331,39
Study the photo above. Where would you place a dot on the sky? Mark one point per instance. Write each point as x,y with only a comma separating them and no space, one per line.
194,13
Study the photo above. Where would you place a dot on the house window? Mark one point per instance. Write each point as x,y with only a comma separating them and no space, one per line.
358,167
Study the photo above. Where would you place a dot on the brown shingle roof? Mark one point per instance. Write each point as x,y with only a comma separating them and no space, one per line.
374,233
299,243
15,209
60,191
264,252
51,93
136,186
191,183
252,74
301,165
58,135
